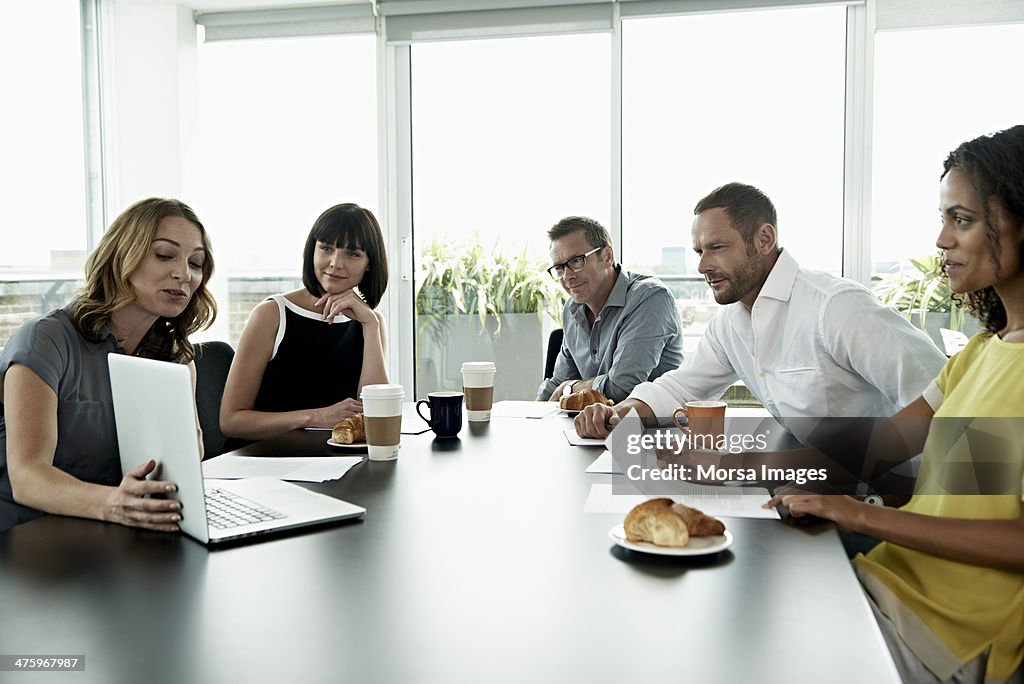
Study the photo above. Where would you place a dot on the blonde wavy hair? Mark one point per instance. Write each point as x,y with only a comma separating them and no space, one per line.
121,250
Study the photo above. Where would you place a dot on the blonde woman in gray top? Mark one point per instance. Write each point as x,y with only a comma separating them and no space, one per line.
145,293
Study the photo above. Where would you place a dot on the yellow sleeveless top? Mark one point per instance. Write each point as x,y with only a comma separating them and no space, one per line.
949,612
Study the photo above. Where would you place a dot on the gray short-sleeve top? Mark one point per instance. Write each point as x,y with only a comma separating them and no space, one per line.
76,370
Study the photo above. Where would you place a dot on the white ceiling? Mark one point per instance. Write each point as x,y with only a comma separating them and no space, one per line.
216,5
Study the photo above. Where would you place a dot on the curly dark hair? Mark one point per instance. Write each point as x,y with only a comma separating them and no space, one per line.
995,166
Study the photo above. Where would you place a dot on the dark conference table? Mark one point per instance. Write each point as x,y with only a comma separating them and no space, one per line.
475,562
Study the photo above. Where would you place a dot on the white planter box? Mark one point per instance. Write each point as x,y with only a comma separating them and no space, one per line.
518,349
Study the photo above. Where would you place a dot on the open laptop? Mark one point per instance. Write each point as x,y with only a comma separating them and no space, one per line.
155,413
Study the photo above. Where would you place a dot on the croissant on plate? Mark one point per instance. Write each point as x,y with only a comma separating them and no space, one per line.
350,430
665,523
699,523
577,401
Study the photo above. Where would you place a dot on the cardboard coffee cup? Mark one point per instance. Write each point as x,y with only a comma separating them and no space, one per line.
382,416
478,386
706,423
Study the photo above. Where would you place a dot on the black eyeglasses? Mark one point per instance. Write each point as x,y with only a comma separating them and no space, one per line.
575,264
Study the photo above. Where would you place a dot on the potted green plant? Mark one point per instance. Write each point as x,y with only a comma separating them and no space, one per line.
474,303
922,295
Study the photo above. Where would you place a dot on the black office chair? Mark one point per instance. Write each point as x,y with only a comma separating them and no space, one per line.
213,359
554,346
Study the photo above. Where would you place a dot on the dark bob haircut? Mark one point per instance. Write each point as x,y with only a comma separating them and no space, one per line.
351,227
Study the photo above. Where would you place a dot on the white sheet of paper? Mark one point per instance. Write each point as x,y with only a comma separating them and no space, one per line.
299,469
524,409
721,502
576,440
604,464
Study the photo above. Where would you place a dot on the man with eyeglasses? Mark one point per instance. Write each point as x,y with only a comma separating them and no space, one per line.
620,328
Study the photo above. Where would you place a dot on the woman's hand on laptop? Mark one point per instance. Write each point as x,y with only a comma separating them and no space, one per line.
130,502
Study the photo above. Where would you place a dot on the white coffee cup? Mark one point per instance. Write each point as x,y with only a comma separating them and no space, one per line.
382,416
478,386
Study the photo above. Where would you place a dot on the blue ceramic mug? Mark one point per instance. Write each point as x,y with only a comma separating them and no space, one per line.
445,412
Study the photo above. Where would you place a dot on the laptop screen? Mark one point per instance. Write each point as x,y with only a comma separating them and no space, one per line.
155,413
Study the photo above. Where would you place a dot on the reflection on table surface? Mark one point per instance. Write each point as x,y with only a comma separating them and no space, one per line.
475,562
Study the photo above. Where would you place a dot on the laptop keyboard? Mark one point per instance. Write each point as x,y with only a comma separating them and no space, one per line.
225,510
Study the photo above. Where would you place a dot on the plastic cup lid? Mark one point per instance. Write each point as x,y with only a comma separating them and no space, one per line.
382,392
478,367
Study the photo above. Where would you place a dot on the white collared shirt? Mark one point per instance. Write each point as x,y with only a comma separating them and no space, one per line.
813,345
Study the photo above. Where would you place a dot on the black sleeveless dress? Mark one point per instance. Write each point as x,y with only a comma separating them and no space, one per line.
314,364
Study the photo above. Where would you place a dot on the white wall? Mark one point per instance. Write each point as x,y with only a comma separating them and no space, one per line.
150,96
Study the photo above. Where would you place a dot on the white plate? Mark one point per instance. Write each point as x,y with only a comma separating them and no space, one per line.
698,546
358,446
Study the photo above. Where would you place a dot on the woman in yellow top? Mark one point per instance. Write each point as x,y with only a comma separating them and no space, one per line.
947,582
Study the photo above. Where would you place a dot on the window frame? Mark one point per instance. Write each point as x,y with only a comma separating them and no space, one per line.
401,23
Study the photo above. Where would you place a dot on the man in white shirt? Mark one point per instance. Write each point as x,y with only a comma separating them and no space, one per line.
806,344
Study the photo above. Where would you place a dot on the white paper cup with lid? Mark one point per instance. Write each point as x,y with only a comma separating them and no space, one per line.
478,386
382,416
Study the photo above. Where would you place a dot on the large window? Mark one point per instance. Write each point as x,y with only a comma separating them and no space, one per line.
509,136
42,163
287,127
933,90
755,97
